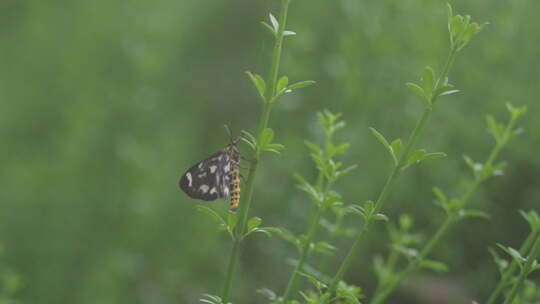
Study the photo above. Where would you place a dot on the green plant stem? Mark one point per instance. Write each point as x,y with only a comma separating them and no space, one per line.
391,262
332,238
535,251
345,265
230,270
295,276
381,295
263,124
507,274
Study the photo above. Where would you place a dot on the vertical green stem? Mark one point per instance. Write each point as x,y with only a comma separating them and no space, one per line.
535,251
326,259
263,124
230,270
345,265
381,200
293,281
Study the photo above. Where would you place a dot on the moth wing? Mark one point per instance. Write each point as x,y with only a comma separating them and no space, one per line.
223,176
202,180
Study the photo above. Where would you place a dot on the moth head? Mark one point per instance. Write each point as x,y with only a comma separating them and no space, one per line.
232,140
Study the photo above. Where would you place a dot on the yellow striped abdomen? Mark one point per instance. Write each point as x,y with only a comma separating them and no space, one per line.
235,190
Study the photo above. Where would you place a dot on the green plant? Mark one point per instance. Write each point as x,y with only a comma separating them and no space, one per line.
524,259
454,209
321,194
461,30
269,91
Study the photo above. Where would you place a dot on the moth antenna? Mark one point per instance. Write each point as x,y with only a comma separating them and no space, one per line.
228,131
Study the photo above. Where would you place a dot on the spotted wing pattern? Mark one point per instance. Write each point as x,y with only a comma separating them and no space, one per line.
215,177
205,179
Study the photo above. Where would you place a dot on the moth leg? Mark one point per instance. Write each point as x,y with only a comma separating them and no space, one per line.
249,160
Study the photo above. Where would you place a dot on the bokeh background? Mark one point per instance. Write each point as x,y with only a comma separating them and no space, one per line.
104,104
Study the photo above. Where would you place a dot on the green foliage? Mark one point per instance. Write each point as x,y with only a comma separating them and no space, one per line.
104,104
211,299
321,194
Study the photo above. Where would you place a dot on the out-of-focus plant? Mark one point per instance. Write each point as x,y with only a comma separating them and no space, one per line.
461,30
454,209
10,283
322,195
524,260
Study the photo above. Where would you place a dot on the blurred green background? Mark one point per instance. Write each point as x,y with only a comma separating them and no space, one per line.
104,104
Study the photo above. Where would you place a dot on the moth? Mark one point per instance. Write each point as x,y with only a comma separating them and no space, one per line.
217,176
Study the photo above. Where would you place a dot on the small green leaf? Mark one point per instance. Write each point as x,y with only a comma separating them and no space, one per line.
268,293
212,214
232,220
301,84
369,206
211,299
318,283
434,155
418,91
495,129
274,22
473,213
415,157
345,171
253,223
331,198
380,268
501,263
276,148
313,147
249,139
405,222
266,138
408,252
396,146
339,149
324,248
269,27
385,143
356,209
456,26
428,78
516,256
434,265
476,168
444,90
450,16
380,217
349,293
305,186
288,33
532,218
258,82
516,112
439,195
282,83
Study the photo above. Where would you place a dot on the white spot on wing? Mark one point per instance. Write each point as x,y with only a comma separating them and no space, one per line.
213,169
213,190
204,188
189,178
200,165
227,167
202,175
